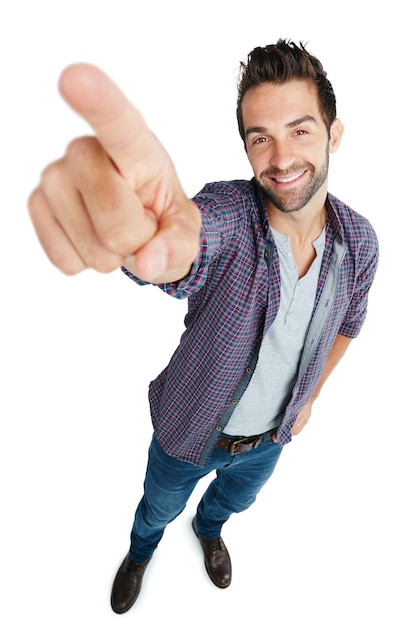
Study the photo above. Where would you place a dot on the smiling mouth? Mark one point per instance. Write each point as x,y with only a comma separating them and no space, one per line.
289,179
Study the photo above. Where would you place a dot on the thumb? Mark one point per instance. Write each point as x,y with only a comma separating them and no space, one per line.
117,124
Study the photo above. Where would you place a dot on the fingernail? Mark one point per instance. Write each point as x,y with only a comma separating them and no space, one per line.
160,263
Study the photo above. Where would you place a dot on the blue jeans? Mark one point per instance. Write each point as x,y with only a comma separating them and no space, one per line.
170,482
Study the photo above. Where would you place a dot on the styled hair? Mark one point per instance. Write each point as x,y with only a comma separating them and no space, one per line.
279,63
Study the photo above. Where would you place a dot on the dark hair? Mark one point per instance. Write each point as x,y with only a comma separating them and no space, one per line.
279,63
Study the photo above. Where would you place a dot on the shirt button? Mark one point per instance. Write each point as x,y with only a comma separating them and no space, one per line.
234,401
267,254
248,370
219,428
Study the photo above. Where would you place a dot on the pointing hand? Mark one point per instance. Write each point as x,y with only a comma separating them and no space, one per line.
114,198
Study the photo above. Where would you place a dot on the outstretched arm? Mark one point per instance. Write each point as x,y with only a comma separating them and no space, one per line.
114,198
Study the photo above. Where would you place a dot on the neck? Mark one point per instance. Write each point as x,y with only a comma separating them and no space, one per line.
302,226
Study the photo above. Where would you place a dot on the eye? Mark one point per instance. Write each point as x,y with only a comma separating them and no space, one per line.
300,132
260,140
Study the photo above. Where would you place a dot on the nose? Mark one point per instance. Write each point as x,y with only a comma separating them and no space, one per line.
282,155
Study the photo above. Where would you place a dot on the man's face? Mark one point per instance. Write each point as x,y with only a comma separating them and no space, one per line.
287,143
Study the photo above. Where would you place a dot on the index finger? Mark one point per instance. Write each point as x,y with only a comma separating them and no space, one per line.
118,125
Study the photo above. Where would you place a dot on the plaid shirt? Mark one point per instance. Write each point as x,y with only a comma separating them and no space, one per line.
233,296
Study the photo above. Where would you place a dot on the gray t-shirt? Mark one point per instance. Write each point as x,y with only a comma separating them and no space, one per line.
270,387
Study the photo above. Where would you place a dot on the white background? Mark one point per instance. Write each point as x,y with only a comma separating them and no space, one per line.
331,540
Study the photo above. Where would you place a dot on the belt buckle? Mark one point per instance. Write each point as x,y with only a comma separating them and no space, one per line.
236,443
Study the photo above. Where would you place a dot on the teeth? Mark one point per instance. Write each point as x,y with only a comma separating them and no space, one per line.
289,179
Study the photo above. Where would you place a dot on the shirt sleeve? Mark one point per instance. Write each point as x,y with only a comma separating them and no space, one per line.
218,228
368,263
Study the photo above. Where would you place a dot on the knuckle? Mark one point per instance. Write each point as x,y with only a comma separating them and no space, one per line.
105,264
62,256
101,260
79,147
51,176
33,204
94,258
68,265
120,242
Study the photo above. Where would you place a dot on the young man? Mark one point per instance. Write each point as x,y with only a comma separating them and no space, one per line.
276,271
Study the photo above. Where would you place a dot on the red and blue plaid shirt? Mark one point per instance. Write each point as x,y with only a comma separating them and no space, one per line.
233,296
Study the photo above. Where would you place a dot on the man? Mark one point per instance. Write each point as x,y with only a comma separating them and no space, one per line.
276,271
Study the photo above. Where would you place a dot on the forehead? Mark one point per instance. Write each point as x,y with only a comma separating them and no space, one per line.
280,103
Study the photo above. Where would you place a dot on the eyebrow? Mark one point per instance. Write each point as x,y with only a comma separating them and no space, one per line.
301,120
293,124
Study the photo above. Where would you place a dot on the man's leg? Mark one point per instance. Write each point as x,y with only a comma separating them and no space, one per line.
167,487
235,487
239,479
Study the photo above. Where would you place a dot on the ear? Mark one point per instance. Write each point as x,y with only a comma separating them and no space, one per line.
336,132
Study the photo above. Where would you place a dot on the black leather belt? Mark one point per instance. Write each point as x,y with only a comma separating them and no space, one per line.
237,445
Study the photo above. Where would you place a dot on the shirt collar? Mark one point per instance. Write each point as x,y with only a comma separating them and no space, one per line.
260,201
333,216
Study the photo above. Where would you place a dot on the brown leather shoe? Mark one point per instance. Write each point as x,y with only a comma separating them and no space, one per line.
127,585
216,559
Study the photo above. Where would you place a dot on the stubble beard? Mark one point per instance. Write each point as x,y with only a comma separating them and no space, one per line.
293,200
